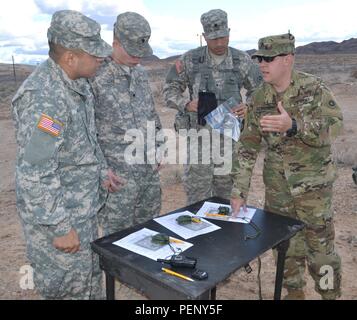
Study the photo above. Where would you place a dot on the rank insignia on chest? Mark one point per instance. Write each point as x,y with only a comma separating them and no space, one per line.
49,125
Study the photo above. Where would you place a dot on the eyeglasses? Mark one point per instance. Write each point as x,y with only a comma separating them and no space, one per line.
269,59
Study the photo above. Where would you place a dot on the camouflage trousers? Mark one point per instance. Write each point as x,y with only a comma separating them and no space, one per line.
203,180
314,244
200,183
60,275
138,201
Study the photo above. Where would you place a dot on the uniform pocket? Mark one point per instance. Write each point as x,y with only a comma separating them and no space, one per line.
230,89
80,148
42,147
320,237
182,121
49,280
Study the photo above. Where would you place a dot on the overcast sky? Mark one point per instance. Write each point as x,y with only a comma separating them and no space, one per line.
176,24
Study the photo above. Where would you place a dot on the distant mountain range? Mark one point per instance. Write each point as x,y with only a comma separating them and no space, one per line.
153,58
329,47
324,47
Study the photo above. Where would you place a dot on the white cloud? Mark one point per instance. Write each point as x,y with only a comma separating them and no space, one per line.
315,21
23,24
174,35
26,27
29,25
100,7
12,24
24,30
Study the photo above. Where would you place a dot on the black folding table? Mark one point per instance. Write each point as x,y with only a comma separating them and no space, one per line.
220,253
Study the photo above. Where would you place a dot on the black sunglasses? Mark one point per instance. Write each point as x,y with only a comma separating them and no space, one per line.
269,59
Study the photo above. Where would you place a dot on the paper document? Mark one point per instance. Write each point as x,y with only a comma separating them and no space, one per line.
209,210
140,243
189,230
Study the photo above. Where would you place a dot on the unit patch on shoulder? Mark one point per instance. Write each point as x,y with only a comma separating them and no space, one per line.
50,125
332,104
179,66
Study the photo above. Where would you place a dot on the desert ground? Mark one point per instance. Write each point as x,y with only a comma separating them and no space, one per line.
340,74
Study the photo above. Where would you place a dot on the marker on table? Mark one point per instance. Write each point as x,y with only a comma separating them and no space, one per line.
177,274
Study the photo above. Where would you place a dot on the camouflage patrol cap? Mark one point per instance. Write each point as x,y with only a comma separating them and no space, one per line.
134,33
73,30
215,24
274,45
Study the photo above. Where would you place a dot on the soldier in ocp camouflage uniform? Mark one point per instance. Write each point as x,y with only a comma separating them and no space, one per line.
59,162
124,101
215,68
297,116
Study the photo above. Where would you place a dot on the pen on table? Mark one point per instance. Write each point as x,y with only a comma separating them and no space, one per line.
177,274
216,215
196,220
176,240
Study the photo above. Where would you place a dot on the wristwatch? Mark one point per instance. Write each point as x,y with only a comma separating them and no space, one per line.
293,130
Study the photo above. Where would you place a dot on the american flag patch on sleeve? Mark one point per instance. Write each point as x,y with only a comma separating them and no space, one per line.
49,125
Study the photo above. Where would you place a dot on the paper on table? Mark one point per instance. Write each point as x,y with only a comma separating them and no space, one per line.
211,208
140,243
188,230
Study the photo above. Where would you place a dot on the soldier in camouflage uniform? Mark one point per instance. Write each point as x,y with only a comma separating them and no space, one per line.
297,116
215,68
124,102
59,161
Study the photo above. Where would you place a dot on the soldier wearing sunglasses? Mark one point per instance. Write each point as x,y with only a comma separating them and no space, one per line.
297,116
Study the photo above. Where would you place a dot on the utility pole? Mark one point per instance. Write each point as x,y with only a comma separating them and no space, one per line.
200,35
13,68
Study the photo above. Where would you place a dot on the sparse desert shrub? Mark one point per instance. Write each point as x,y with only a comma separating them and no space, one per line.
344,154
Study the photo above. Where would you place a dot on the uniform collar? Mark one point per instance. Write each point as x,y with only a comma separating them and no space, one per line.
290,92
120,69
293,89
227,60
80,86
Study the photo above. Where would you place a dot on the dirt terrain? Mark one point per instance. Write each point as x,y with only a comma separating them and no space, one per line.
338,71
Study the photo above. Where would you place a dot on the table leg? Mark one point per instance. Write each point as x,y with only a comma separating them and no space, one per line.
213,294
110,286
282,248
208,295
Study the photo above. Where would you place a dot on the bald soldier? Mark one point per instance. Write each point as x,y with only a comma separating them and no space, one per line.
59,164
213,72
297,116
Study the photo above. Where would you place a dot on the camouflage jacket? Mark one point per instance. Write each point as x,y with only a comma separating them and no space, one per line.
58,157
304,160
124,101
196,71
